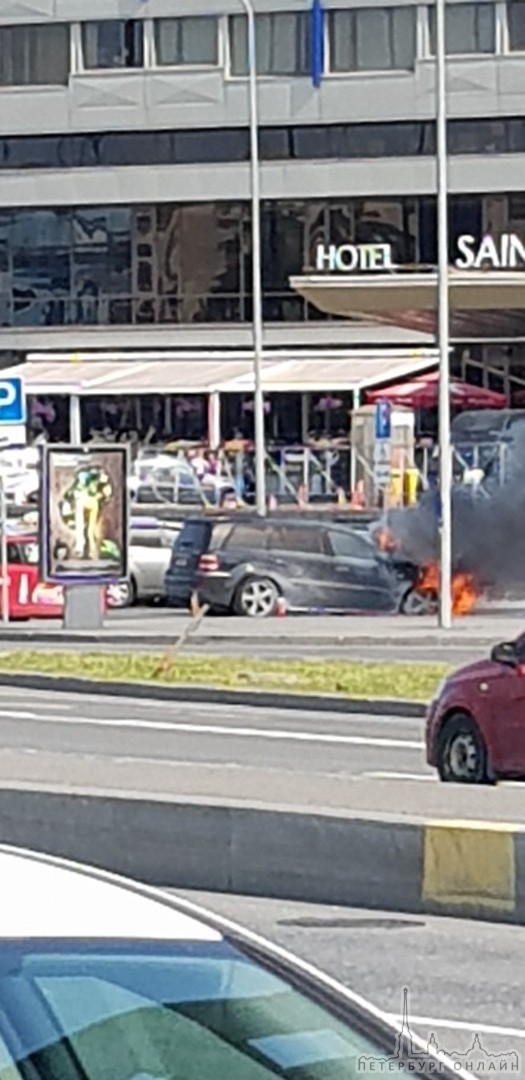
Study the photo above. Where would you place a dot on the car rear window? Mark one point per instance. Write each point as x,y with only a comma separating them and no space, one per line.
194,536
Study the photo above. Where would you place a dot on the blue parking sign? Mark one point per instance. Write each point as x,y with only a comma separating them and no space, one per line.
383,420
12,400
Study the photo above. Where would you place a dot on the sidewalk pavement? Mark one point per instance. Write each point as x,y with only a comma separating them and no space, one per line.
162,627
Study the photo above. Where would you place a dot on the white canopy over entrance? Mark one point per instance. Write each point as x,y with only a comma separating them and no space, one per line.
90,376
381,294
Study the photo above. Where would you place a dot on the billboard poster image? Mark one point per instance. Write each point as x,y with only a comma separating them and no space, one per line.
84,514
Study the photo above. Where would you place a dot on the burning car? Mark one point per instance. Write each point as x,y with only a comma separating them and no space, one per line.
419,582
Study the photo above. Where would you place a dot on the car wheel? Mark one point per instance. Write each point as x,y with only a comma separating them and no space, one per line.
124,594
256,597
416,603
462,755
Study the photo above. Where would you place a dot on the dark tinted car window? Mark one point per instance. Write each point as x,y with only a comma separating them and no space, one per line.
348,545
246,535
194,536
14,554
294,538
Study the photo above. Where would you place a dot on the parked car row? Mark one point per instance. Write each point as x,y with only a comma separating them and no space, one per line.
244,566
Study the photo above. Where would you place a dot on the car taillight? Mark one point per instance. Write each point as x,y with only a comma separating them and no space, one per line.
208,563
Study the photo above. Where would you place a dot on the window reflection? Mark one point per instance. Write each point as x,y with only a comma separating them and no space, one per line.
305,142
168,264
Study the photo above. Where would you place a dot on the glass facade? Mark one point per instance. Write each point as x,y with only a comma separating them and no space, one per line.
307,142
191,263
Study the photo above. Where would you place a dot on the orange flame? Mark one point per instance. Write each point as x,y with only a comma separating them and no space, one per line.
464,590
464,594
385,540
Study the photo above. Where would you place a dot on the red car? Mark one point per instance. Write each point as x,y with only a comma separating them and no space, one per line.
475,730
29,597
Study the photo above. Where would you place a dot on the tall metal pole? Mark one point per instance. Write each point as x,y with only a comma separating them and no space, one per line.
257,317
445,453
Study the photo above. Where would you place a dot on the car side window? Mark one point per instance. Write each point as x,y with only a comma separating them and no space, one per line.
248,536
348,545
145,539
220,534
294,538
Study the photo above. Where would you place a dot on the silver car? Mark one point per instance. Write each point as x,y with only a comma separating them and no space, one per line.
150,547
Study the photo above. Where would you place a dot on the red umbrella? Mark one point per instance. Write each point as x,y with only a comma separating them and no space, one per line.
423,393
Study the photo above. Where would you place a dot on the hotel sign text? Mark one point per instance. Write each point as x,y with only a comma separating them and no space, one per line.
506,252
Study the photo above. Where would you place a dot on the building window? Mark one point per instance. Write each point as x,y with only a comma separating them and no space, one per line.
283,44
187,41
34,55
114,43
470,28
373,39
516,21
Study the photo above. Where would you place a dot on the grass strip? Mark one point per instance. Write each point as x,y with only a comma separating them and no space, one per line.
415,682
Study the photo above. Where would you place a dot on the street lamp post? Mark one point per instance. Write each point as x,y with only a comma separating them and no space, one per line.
445,454
257,315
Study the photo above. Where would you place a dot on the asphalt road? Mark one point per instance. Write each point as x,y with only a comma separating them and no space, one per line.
328,762
463,977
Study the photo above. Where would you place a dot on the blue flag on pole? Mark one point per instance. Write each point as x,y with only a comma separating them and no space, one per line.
317,42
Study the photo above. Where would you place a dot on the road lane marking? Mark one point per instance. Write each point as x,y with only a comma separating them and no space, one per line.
15,714
231,731
398,776
461,1025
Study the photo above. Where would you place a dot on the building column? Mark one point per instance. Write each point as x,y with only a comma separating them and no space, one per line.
75,420
214,420
305,415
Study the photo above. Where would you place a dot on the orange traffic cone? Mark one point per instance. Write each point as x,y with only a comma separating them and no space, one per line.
281,607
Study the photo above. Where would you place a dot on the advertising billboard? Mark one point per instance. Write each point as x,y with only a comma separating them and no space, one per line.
84,514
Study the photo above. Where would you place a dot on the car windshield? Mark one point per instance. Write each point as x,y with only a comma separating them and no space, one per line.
189,1011
25,552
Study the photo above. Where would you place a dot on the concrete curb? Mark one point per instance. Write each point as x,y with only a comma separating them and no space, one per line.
207,695
474,870
109,637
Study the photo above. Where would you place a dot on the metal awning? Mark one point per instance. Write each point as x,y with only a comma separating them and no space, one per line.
381,294
95,377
